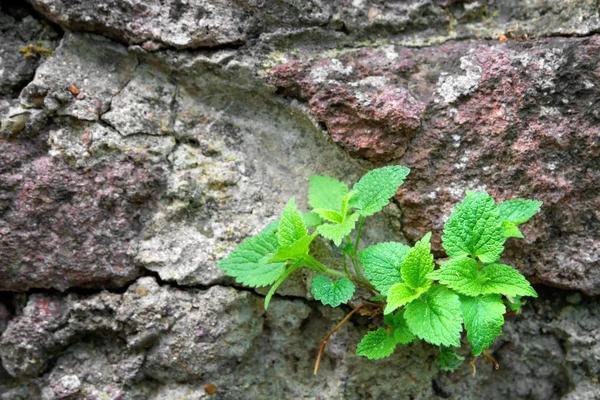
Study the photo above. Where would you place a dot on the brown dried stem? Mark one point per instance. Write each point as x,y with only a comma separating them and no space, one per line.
335,329
491,359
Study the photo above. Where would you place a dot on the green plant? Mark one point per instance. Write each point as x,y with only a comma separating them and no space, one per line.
471,287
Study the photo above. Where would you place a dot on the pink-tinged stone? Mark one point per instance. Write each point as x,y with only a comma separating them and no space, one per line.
62,227
372,117
515,119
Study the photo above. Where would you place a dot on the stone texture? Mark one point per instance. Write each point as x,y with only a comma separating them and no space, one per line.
183,24
159,158
208,23
18,61
515,119
64,227
98,69
157,342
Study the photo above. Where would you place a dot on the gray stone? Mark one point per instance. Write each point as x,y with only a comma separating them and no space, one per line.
86,64
121,163
25,42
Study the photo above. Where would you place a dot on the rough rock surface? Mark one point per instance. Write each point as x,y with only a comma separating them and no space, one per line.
155,137
517,119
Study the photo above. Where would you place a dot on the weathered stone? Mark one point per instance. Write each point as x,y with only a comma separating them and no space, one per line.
4,317
25,42
148,158
86,64
156,341
515,119
62,227
144,105
183,24
370,116
210,23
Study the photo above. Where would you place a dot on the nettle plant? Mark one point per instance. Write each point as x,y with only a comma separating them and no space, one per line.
470,288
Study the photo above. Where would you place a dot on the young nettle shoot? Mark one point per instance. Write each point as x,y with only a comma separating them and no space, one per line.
471,288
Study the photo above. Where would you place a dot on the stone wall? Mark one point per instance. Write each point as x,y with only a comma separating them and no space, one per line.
140,142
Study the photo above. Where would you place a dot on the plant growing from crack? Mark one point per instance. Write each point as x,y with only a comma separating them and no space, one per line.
470,288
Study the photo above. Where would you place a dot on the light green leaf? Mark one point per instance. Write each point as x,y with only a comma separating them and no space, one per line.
271,228
295,251
382,262
448,359
484,317
330,292
518,211
503,279
461,275
291,225
326,193
511,230
245,262
435,317
345,203
399,295
418,263
336,232
375,189
515,303
475,228
329,215
400,330
376,344
311,219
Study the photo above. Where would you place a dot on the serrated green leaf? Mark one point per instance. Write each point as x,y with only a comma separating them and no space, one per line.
345,203
295,251
330,292
382,263
376,344
461,275
326,193
418,263
511,230
518,211
336,232
448,359
375,189
329,215
475,228
400,330
245,262
399,295
515,303
271,228
291,225
435,317
484,317
503,279
311,219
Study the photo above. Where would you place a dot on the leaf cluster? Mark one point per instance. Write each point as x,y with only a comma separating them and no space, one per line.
419,300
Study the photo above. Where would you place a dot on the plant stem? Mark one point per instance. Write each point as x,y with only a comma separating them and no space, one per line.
311,262
358,231
345,265
331,332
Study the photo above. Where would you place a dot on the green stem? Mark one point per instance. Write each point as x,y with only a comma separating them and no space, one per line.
356,268
310,262
349,241
287,273
358,231
345,265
